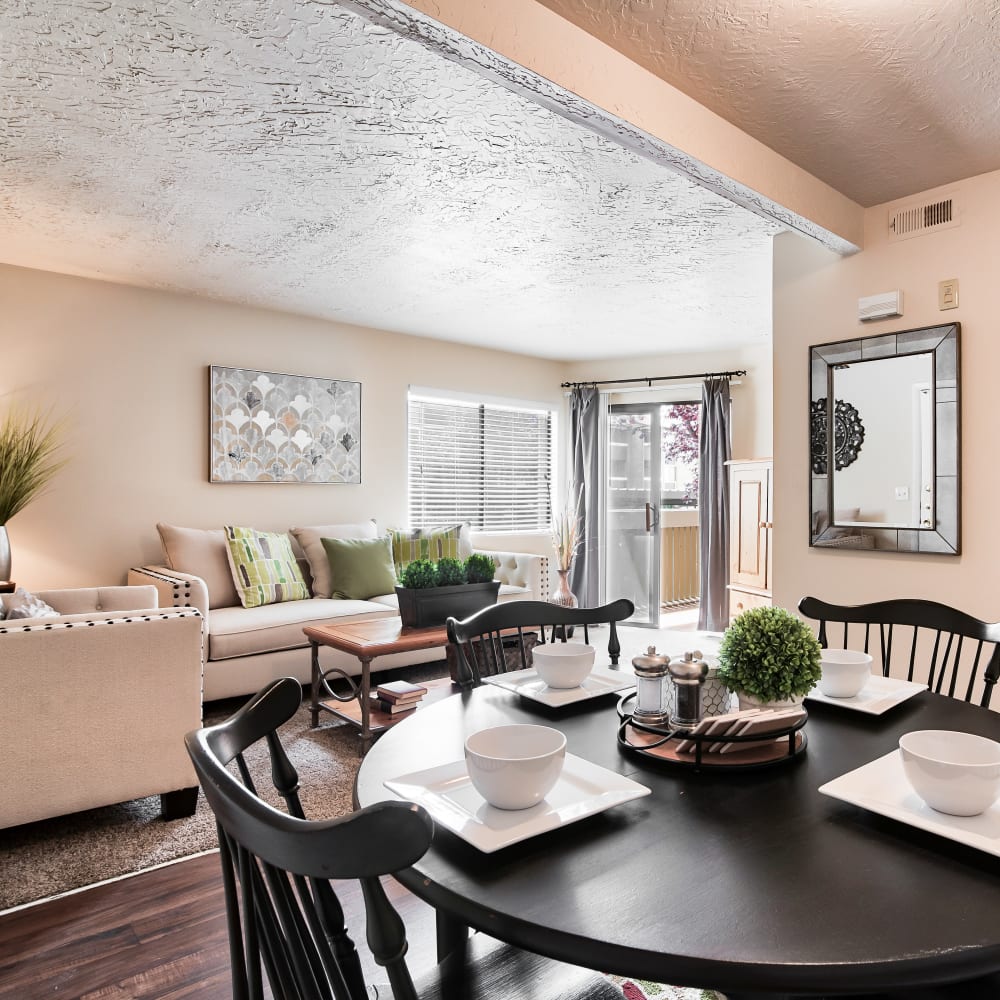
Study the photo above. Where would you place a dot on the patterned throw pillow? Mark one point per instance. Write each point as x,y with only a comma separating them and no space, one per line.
22,604
264,567
444,542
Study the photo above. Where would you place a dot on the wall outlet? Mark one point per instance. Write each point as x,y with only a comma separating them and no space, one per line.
902,492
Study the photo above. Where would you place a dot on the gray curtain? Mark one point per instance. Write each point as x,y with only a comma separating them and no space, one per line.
585,425
713,505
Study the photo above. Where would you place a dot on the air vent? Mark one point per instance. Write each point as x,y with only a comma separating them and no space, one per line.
916,219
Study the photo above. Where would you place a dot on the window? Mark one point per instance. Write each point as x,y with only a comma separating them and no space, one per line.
488,464
681,424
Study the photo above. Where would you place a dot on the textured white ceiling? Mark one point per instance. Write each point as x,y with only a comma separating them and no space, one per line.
292,155
879,98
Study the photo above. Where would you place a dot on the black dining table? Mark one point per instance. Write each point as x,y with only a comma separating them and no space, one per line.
750,882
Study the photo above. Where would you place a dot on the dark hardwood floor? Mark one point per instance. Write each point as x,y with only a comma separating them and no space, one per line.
160,934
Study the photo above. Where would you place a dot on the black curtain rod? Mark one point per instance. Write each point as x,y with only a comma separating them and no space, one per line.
649,381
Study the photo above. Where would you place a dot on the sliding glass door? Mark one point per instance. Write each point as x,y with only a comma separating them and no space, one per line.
632,568
651,528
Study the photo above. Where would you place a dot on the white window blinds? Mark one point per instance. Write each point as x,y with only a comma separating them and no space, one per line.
483,463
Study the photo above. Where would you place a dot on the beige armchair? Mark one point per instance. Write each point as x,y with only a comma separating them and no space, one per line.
94,704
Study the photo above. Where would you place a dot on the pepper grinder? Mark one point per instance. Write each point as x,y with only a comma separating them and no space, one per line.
688,674
651,688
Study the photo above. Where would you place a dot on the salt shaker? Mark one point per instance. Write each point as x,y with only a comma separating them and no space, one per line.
651,688
688,674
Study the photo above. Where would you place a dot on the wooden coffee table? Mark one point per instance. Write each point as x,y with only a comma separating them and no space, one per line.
366,641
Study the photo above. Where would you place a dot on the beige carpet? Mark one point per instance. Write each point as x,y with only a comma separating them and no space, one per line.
53,856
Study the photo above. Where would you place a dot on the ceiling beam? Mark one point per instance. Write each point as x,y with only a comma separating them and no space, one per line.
533,50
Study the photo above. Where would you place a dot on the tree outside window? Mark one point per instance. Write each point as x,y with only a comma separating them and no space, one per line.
681,423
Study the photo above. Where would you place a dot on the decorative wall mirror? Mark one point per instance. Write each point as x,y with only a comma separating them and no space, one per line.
884,439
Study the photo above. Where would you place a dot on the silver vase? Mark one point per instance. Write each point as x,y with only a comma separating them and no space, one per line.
562,595
4,554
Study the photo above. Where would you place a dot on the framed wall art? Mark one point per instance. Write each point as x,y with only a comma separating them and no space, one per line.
268,427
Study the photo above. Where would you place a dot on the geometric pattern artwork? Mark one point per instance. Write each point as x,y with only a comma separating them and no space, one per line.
848,434
273,428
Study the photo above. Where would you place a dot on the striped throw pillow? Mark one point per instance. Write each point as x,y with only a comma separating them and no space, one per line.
426,543
264,567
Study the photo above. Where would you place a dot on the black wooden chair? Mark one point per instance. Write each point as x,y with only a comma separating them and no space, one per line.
958,651
498,638
284,918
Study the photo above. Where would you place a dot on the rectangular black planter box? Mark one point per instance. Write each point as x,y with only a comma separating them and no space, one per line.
422,608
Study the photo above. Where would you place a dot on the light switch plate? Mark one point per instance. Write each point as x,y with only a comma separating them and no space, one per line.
948,294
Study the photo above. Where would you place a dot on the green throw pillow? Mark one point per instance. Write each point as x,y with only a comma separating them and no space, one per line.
360,568
264,567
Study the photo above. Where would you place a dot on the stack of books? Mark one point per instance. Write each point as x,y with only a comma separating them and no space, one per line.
399,696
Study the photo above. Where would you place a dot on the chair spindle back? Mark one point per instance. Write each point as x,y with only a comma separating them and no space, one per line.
282,913
499,638
949,650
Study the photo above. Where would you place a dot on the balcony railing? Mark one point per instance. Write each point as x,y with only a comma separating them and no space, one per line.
680,581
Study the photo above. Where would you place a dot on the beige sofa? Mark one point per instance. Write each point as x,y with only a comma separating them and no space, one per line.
248,647
94,704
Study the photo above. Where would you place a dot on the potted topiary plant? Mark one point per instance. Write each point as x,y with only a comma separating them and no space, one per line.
769,658
429,593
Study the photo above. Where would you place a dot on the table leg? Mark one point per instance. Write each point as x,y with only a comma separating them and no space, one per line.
314,686
452,936
366,703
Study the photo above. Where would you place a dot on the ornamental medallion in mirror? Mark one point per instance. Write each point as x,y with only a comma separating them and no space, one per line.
884,442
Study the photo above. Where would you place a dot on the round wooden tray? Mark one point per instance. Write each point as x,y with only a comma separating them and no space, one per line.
661,744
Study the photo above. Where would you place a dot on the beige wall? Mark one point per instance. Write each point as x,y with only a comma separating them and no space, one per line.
815,300
129,367
752,412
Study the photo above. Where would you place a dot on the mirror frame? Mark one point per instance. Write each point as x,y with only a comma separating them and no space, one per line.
942,342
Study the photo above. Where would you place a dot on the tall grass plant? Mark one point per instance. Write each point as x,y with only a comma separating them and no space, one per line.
30,455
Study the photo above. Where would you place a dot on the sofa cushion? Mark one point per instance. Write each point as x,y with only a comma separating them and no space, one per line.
264,567
246,631
310,539
360,568
203,553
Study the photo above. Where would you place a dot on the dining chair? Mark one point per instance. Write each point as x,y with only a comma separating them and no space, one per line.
499,638
284,919
959,651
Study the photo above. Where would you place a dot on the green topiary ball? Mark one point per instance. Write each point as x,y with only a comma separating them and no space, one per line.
480,568
450,572
419,574
770,654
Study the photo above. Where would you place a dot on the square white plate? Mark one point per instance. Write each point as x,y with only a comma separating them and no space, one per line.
601,680
446,792
877,696
881,786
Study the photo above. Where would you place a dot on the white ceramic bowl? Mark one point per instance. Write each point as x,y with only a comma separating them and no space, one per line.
515,767
845,672
563,664
954,773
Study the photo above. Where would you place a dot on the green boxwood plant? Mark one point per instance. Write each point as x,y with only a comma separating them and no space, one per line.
423,573
450,572
419,574
769,654
480,568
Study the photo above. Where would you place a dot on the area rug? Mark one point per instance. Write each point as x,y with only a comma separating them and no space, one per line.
54,856
640,989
